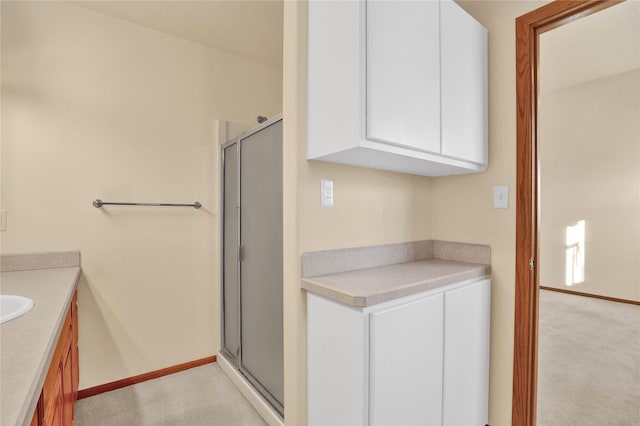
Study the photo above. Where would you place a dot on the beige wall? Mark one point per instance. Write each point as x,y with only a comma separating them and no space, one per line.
590,171
94,107
462,205
370,207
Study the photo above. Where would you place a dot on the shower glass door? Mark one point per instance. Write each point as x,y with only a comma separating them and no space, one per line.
252,269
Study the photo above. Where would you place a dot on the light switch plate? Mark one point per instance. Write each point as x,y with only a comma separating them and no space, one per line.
326,193
501,197
3,220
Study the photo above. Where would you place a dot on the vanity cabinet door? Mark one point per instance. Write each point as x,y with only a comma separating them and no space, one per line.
67,380
403,73
60,391
466,354
74,346
38,415
53,415
406,364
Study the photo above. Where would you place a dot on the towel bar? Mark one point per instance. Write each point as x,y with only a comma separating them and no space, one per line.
99,203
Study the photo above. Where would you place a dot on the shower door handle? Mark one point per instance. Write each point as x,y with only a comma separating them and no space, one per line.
240,253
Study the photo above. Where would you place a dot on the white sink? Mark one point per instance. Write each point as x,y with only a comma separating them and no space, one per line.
13,306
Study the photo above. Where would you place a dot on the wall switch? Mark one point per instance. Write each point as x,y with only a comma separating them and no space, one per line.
326,193
3,220
501,197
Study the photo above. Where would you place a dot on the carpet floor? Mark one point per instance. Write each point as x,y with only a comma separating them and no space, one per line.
194,397
588,361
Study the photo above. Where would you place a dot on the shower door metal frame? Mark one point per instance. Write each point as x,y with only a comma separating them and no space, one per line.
236,360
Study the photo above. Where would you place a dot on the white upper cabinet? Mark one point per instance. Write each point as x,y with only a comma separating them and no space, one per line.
397,85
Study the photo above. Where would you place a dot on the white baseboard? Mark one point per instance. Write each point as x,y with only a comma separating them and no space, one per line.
254,398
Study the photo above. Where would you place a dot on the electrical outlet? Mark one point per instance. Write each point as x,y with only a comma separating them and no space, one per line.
3,220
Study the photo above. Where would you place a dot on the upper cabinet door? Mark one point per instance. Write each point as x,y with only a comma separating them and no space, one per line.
403,73
464,84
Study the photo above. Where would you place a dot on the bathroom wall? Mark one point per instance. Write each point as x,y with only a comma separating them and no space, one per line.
462,205
590,171
95,107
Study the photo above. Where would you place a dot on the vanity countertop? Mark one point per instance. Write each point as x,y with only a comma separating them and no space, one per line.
28,342
370,286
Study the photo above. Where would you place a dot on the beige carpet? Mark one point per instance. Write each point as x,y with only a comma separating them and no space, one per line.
199,396
589,361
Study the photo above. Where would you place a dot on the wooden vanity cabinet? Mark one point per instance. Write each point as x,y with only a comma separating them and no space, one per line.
60,390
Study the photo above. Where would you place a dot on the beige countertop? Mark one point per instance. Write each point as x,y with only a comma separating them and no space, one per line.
27,343
366,287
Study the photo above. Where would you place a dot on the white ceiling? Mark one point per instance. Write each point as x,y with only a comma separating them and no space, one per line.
248,28
600,45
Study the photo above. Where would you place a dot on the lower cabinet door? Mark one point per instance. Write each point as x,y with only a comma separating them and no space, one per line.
37,419
337,375
406,364
53,415
466,354
67,384
60,389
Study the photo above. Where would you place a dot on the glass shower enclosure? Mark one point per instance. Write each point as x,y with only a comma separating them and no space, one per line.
252,314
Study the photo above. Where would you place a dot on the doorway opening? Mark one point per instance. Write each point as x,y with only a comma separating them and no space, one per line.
529,27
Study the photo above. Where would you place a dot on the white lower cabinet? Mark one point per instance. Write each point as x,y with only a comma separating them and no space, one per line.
419,360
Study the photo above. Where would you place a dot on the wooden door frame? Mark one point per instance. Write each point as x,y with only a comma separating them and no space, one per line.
528,29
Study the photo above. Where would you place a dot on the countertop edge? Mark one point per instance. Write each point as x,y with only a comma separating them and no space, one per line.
422,286
31,400
308,284
314,285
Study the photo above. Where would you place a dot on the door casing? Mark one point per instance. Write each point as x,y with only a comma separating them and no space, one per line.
525,351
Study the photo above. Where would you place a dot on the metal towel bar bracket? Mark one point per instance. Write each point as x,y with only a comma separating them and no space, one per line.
99,203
